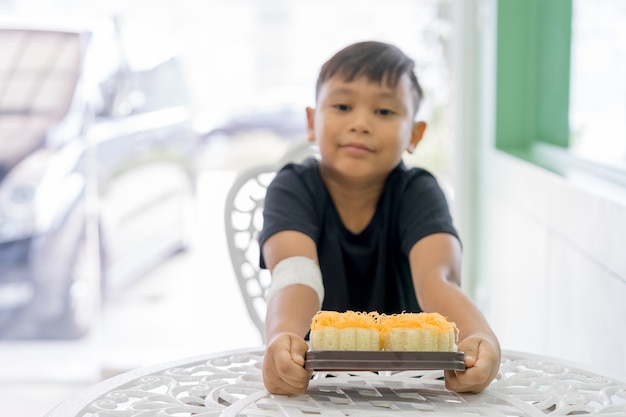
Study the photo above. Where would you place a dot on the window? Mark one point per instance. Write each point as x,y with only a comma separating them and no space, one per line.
561,100
38,72
598,81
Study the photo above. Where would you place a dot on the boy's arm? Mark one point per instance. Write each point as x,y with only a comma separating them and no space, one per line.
435,267
288,318
292,308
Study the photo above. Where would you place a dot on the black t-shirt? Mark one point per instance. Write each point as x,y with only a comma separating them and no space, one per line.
368,271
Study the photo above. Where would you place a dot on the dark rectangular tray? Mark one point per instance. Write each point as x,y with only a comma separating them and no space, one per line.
343,360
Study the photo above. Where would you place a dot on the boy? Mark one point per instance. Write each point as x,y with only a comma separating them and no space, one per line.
358,230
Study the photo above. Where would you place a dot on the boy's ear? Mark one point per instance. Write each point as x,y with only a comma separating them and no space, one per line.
310,122
416,136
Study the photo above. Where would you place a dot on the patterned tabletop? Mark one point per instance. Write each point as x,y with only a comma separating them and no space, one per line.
229,384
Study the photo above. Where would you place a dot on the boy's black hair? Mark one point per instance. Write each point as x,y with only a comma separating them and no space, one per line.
378,61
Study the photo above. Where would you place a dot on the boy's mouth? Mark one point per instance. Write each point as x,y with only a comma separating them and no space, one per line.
356,148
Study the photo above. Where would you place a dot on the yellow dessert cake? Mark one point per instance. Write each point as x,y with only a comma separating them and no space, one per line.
331,330
419,332
426,332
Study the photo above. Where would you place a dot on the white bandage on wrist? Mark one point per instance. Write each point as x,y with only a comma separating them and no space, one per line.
297,270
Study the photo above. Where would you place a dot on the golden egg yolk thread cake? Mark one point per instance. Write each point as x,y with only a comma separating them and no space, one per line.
423,332
331,330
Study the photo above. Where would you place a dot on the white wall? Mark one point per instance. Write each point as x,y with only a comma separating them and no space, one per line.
553,264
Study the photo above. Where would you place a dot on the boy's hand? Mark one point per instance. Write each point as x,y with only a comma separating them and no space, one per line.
283,365
482,361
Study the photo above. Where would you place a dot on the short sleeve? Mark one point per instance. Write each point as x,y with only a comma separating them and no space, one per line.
423,210
290,205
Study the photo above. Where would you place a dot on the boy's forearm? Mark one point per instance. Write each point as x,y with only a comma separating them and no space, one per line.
450,301
290,311
470,321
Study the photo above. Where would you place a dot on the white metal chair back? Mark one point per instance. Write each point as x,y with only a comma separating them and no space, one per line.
243,221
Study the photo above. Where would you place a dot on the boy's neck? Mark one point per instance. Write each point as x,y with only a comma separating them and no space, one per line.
355,201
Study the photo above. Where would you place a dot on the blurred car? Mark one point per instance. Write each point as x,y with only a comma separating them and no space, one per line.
96,175
285,120
257,132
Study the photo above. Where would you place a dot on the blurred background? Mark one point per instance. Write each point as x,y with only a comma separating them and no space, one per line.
124,123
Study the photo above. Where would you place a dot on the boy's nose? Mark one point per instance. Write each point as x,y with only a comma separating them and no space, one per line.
360,122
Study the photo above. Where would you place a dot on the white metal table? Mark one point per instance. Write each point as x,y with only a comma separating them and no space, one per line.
230,384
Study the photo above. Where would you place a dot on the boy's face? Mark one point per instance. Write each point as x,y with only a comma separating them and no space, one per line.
362,128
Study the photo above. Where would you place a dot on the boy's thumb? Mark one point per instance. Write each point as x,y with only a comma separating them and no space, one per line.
470,350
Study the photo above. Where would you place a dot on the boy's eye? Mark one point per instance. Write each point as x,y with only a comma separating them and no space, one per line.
342,107
385,112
